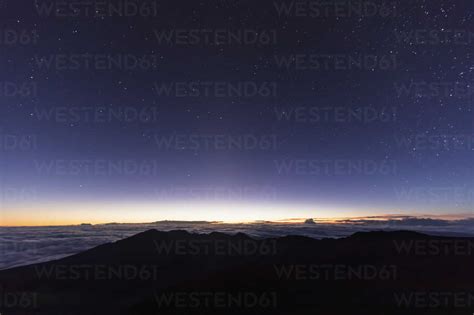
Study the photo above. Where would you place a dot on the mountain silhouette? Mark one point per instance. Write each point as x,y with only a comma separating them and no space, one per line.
178,272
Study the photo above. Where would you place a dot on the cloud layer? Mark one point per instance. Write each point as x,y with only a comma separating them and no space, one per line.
28,245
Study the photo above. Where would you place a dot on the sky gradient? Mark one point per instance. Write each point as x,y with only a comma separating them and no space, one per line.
234,110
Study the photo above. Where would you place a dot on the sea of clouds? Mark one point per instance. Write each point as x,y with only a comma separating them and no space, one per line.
28,245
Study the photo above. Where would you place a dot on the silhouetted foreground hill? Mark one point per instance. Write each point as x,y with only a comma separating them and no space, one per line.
181,273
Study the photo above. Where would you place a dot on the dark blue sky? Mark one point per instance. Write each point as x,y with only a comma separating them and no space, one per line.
353,108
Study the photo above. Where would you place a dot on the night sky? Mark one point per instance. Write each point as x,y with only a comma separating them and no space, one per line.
236,110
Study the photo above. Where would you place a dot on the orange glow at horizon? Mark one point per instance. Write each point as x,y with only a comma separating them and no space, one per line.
97,213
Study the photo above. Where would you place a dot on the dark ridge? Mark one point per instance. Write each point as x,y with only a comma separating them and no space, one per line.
219,262
382,235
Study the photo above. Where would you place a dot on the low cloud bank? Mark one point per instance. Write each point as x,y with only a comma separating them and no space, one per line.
28,245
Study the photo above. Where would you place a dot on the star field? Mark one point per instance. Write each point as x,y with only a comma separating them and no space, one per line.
362,106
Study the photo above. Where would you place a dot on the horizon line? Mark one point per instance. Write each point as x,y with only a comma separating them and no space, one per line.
326,220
